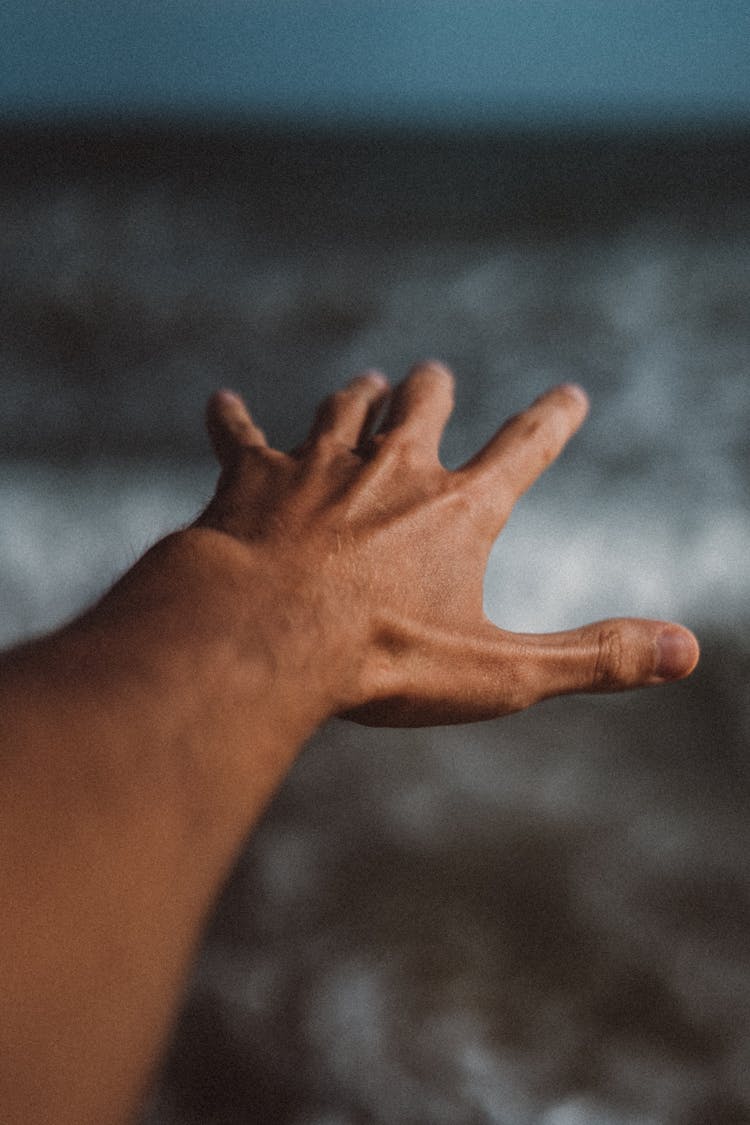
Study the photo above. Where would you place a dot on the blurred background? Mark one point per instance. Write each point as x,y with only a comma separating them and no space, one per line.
539,921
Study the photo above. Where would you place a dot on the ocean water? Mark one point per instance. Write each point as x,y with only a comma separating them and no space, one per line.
542,920
645,513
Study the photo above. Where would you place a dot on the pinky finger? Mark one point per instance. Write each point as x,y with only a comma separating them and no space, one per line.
230,427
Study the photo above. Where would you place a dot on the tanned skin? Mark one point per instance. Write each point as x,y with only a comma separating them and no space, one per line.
141,743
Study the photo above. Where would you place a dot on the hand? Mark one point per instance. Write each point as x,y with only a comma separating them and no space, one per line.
377,554
142,741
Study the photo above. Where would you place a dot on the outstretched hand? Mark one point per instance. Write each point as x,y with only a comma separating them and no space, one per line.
379,553
142,741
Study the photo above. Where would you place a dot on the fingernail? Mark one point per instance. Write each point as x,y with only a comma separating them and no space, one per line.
227,396
676,653
575,391
376,377
435,365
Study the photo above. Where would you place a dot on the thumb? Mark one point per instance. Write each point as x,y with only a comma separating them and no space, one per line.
613,655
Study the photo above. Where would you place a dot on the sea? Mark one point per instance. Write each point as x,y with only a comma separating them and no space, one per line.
542,920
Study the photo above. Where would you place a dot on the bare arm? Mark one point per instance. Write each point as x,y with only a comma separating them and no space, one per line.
141,743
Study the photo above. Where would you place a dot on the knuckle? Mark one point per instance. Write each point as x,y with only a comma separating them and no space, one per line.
342,397
528,426
402,444
546,433
514,428
468,504
486,500
326,441
327,448
608,662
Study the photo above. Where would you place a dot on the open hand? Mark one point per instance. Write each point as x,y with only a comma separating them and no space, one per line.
377,554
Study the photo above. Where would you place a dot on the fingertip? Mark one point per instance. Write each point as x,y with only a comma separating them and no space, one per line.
576,392
370,376
221,400
677,653
431,366
565,394
230,426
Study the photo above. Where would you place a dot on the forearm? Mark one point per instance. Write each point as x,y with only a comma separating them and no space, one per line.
140,744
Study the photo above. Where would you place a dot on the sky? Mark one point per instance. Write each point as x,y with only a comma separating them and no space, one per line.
379,60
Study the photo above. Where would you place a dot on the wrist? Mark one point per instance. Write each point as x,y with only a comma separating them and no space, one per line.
259,617
189,687
234,658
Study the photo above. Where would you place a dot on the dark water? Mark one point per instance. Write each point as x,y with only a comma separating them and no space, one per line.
542,920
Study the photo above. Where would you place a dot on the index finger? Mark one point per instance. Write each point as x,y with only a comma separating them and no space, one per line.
526,444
